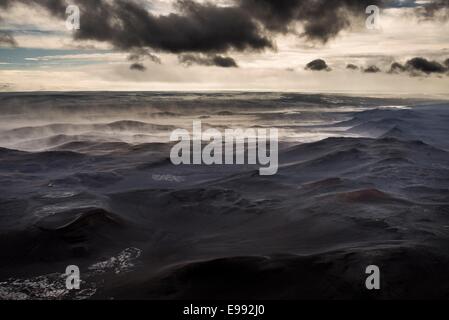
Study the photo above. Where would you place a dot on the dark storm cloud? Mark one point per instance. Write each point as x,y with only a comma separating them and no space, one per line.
420,66
138,67
318,65
140,54
436,8
352,67
7,39
202,28
225,62
396,67
207,27
425,66
211,60
372,69
322,19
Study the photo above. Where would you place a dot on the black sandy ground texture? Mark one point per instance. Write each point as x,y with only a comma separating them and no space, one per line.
85,180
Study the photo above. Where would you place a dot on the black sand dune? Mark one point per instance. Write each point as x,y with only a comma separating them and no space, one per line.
334,275
371,189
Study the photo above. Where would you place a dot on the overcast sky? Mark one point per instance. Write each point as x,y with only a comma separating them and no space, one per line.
226,45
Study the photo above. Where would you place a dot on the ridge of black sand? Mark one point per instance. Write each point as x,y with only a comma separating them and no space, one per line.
77,233
407,273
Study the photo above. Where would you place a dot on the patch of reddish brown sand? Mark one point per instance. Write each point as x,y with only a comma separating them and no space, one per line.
366,195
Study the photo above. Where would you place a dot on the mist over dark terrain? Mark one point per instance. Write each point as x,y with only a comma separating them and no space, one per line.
86,179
